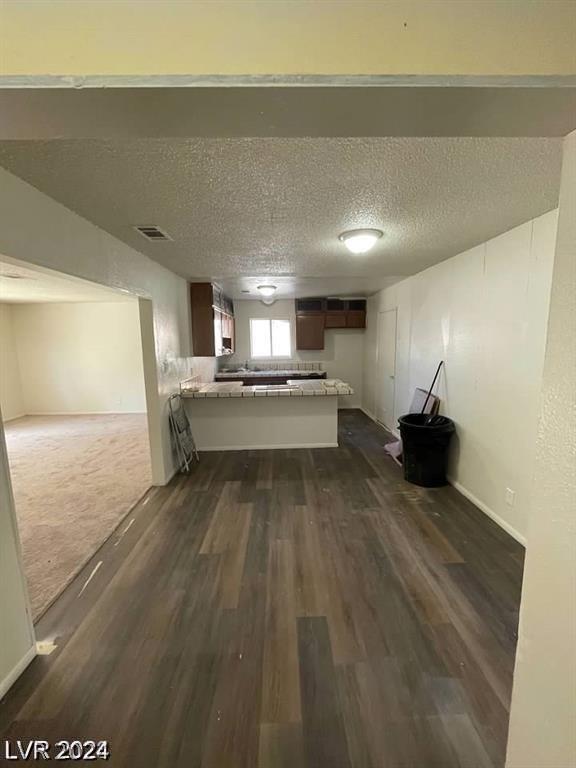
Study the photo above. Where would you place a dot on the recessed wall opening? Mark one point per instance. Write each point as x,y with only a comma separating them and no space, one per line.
73,403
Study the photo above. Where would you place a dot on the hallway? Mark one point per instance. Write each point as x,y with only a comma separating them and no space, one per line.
302,608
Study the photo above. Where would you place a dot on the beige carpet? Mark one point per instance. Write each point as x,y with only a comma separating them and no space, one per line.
74,479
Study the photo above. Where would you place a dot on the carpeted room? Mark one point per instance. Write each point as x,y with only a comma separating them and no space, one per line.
74,411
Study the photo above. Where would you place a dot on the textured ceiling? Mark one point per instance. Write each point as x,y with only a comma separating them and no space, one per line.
23,285
271,207
246,287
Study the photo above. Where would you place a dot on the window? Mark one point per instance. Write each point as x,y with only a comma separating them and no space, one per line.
270,338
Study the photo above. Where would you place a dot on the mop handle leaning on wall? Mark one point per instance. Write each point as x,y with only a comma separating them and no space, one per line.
440,364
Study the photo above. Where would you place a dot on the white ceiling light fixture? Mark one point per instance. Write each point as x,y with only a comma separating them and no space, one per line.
266,293
267,290
360,240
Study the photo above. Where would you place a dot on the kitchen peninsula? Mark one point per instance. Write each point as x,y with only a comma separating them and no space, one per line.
231,416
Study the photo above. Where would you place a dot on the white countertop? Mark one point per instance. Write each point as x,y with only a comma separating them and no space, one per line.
294,388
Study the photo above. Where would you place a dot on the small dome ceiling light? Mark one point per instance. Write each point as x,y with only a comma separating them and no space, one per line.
267,290
360,240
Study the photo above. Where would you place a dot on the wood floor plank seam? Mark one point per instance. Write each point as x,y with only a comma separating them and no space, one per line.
288,609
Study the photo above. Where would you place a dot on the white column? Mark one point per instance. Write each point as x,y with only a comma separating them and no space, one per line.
543,715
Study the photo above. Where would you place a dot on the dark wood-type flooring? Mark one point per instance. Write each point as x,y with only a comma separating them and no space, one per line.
286,609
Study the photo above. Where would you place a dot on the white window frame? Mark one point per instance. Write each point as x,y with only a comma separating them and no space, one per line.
271,356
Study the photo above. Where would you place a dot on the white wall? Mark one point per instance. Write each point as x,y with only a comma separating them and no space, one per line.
17,647
11,398
342,356
543,714
484,313
35,228
80,358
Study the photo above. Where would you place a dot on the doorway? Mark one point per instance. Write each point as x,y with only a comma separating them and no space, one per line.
386,369
74,406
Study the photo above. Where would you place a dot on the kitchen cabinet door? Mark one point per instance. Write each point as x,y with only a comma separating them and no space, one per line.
356,319
307,306
335,320
203,325
310,331
210,322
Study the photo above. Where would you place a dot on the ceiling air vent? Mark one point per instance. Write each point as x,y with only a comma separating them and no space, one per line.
152,233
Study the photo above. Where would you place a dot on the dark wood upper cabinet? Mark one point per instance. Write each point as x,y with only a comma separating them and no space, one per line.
335,320
329,313
212,315
356,313
308,306
356,319
310,331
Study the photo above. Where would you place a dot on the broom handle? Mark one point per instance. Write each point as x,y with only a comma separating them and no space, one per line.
440,364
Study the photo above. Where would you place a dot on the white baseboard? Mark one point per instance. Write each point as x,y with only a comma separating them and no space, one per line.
465,492
84,413
15,673
490,512
288,446
13,418
370,415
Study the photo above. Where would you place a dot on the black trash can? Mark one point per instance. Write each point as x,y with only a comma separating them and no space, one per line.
425,448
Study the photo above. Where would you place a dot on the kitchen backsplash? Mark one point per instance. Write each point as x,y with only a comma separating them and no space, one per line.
271,365
203,368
